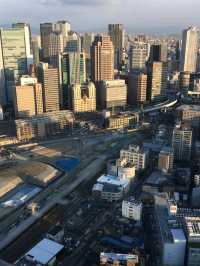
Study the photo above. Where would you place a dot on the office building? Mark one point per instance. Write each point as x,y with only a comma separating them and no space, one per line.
121,168
55,47
137,156
188,61
158,52
192,230
189,114
28,97
137,88
83,97
72,71
53,37
139,53
44,126
171,244
15,58
122,121
49,77
73,43
182,142
157,74
113,93
102,56
112,259
166,160
132,209
117,35
88,39
111,188
36,48
184,81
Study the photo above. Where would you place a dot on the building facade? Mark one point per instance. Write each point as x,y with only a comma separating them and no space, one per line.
28,98
137,88
157,73
137,156
83,97
139,53
49,77
117,35
113,93
182,143
166,160
102,56
15,58
189,50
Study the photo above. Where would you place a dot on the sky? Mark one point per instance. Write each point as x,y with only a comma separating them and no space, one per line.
94,15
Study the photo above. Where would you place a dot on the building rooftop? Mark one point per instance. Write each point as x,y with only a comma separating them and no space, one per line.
42,253
118,257
178,235
156,178
188,108
133,201
113,180
193,226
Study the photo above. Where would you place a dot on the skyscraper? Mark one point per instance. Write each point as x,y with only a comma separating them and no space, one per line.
73,43
72,71
102,55
88,39
113,93
83,97
36,47
49,77
182,142
158,52
157,73
189,50
56,46
53,35
137,88
117,35
15,56
139,53
28,97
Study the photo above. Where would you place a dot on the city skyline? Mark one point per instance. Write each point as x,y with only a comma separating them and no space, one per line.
146,16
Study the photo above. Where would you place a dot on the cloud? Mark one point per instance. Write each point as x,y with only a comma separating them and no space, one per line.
77,2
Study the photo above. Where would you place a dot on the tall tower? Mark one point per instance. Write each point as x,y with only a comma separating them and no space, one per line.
72,71
49,77
102,55
137,88
28,97
189,50
139,53
53,38
182,143
117,35
15,56
157,73
158,52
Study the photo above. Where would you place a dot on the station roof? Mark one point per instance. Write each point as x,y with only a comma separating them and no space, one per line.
45,251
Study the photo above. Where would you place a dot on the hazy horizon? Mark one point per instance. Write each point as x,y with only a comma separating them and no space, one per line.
146,16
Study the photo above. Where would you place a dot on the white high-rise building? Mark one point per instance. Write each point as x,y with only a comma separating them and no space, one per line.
132,209
139,157
182,142
189,49
139,53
